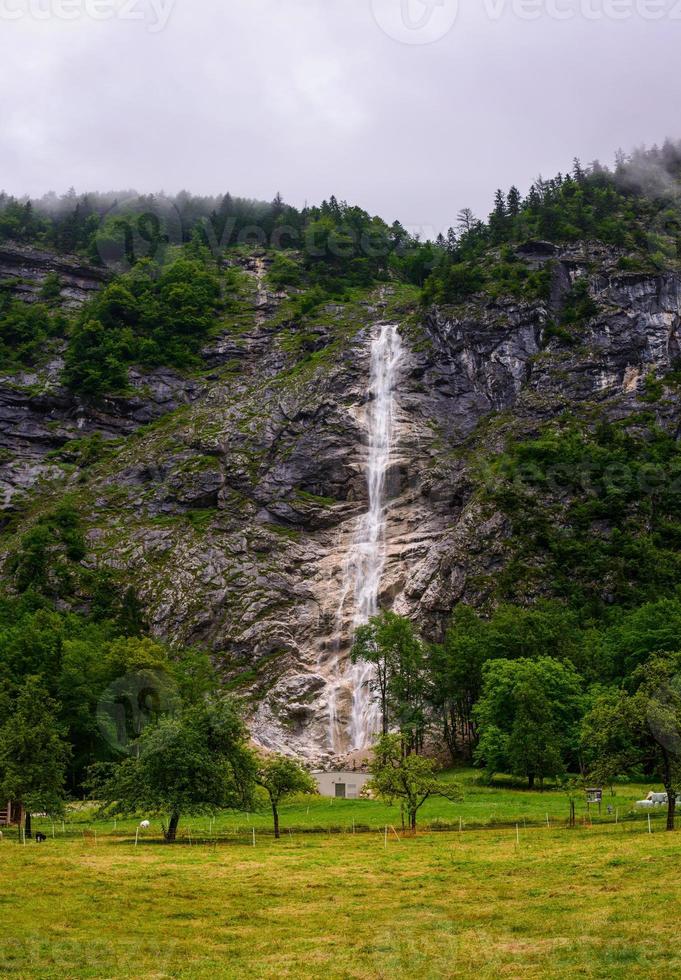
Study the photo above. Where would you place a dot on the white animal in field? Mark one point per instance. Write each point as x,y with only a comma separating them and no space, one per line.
145,825
653,800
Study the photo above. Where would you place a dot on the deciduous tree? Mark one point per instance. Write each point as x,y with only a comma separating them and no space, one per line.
607,737
410,779
195,762
280,777
390,643
527,716
657,710
33,753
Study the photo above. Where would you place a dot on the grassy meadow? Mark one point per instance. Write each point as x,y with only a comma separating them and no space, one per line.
603,900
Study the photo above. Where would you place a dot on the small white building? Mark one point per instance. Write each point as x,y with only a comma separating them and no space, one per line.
343,785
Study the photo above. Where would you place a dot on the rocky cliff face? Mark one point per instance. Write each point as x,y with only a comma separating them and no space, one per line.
25,270
38,416
233,507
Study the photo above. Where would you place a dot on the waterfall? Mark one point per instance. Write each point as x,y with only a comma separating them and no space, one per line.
365,559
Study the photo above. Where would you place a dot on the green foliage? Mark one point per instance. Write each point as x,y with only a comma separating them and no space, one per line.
93,362
33,750
455,678
512,277
644,725
411,779
553,330
149,316
578,304
653,389
454,284
656,706
284,272
390,643
629,638
50,562
25,328
19,221
280,777
193,761
89,663
455,666
50,291
607,737
309,301
591,204
527,717
86,451
44,562
599,511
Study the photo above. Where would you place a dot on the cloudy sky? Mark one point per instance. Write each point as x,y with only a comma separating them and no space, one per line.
411,108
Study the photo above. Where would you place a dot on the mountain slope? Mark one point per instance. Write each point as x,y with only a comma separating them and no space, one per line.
231,514
536,435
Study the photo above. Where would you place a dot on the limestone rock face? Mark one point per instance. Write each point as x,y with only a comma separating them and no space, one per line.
24,269
232,512
38,416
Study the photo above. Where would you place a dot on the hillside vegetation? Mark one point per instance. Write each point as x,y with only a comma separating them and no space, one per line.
182,455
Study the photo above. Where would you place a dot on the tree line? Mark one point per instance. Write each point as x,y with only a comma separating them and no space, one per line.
170,259
535,693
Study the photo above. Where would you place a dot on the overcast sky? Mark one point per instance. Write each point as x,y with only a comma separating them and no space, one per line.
397,105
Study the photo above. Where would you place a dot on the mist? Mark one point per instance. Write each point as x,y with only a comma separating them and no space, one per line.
327,97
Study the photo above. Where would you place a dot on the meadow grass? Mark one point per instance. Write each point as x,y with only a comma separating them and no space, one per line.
600,901
502,804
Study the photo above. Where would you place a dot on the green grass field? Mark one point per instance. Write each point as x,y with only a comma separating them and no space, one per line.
598,901
502,805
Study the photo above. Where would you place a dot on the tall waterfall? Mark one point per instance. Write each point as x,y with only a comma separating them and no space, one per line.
365,560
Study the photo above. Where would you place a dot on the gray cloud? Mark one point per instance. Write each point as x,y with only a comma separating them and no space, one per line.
313,97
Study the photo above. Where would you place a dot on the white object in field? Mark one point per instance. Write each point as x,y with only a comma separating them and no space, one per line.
652,800
145,825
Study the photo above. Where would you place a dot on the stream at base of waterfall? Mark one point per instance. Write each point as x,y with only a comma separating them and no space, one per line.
365,559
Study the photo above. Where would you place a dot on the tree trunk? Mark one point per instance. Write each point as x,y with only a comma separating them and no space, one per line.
275,815
171,832
530,780
412,821
27,825
671,808
670,789
449,733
